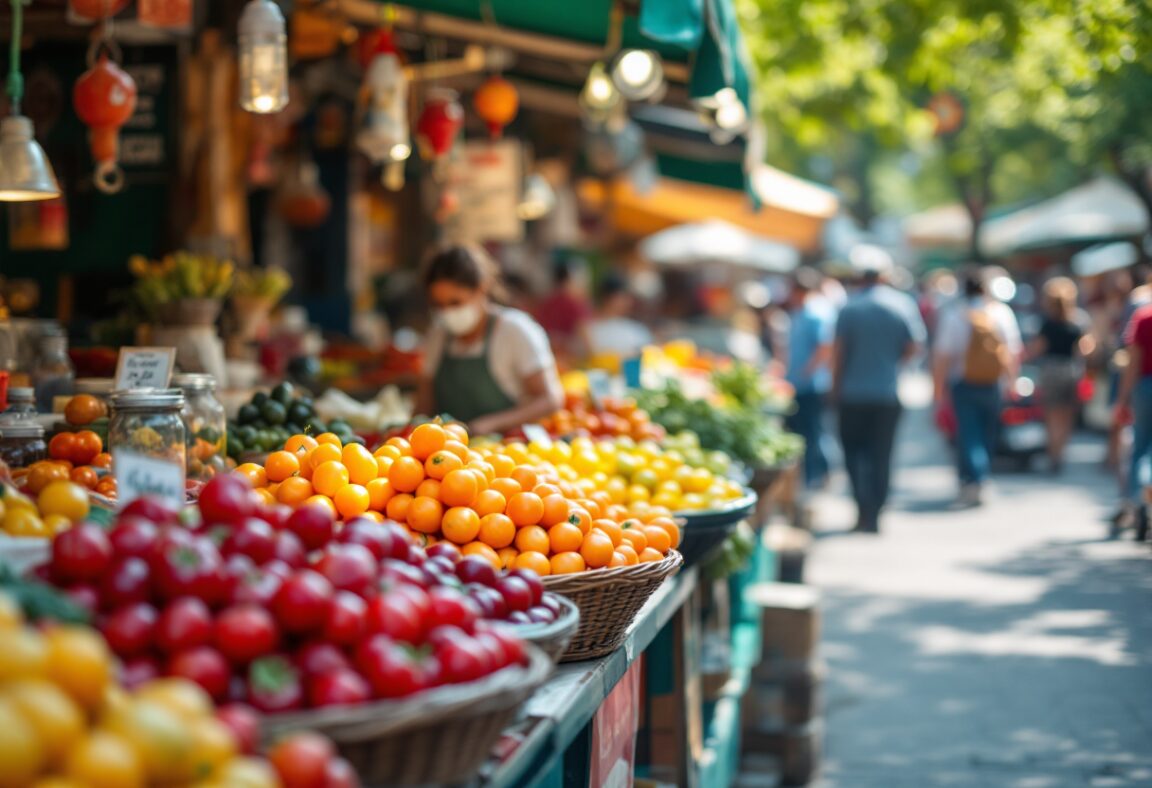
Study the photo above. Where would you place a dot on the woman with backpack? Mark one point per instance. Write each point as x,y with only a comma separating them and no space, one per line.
977,351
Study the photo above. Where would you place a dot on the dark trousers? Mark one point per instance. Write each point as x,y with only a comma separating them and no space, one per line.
808,422
868,432
977,419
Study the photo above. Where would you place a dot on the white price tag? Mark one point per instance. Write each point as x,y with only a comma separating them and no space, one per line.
139,475
145,367
537,434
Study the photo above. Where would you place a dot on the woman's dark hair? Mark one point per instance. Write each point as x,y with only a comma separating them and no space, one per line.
465,265
973,281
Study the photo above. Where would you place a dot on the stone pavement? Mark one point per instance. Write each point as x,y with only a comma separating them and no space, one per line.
1004,647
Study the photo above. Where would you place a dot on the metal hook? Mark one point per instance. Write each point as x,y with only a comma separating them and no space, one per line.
115,54
109,178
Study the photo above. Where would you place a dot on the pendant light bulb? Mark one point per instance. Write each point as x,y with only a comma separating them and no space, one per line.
263,58
638,74
599,95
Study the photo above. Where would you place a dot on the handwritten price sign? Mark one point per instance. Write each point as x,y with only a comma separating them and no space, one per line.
145,367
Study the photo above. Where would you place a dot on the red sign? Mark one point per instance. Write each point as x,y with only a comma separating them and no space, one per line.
614,734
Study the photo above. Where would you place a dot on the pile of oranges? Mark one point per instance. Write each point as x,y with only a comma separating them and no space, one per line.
515,514
611,417
94,475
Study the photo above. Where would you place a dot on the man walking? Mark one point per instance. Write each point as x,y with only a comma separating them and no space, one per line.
878,330
811,332
977,351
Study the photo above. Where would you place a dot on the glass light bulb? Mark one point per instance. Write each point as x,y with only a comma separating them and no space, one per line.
263,58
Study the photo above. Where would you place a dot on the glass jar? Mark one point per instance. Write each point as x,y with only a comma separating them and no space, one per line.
147,423
205,425
53,374
22,444
21,405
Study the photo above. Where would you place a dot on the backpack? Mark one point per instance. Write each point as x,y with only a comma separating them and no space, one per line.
987,359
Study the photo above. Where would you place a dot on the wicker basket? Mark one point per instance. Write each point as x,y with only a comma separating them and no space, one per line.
553,638
442,735
609,600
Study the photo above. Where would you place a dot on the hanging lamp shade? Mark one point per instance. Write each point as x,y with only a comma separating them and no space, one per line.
25,174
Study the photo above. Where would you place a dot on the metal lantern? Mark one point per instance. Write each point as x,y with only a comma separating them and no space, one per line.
496,102
440,121
105,98
263,58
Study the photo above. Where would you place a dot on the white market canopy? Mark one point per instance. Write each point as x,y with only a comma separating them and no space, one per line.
718,242
1104,258
1101,209
943,227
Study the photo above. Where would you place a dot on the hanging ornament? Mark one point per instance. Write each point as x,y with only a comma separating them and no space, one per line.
496,102
383,135
439,123
167,14
380,41
97,9
303,202
105,98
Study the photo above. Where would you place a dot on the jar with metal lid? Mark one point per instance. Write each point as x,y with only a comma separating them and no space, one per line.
146,428
22,444
205,425
21,405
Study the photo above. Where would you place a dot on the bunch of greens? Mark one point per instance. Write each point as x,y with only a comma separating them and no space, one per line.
179,276
267,283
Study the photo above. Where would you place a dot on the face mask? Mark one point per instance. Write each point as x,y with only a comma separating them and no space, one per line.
459,320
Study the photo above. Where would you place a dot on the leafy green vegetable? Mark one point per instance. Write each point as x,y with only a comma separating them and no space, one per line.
38,601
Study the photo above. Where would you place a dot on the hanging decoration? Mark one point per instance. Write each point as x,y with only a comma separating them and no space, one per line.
440,121
303,202
263,58
166,14
104,98
496,102
383,135
97,9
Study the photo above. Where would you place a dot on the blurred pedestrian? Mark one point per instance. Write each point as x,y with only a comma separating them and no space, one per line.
978,350
1060,348
877,331
1134,404
565,311
811,332
612,330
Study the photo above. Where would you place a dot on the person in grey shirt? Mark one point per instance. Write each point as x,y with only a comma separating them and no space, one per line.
878,330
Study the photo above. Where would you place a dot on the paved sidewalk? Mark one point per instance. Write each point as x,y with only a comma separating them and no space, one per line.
1004,647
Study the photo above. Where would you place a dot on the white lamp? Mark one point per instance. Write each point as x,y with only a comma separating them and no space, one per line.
25,173
638,74
600,95
263,58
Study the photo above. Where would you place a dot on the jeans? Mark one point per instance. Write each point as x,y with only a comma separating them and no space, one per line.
808,422
868,432
1141,438
977,421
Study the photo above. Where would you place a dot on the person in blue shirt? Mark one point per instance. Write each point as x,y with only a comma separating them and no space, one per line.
812,328
877,331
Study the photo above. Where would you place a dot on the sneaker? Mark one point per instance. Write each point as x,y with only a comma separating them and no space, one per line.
971,496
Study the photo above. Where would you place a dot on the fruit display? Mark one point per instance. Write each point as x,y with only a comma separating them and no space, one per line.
610,418
286,610
513,509
54,507
270,419
66,721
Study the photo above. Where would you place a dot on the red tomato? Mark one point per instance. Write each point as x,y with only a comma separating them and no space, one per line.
132,536
244,723
390,668
343,687
312,525
127,580
226,499
253,538
129,631
452,608
301,604
274,685
153,509
347,621
244,633
302,759
348,567
185,624
206,666
81,553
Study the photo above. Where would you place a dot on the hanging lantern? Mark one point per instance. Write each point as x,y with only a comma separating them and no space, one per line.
167,14
496,102
97,9
380,41
303,202
383,137
105,98
439,123
263,58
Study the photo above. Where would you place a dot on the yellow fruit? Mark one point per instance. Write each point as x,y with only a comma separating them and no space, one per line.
21,751
212,745
17,500
24,655
80,663
55,717
25,522
105,760
66,498
11,616
159,737
248,773
55,523
185,698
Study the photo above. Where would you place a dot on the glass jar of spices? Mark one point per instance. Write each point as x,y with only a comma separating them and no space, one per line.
22,443
205,426
146,428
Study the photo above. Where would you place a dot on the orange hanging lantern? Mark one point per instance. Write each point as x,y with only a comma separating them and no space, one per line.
97,9
169,14
439,123
496,102
105,98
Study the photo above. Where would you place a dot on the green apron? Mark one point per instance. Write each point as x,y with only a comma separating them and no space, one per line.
464,387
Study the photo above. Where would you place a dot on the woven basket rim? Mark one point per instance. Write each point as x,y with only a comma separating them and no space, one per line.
349,724
569,619
635,574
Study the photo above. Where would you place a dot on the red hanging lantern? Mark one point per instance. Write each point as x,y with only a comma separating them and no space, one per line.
496,102
104,98
439,123
97,9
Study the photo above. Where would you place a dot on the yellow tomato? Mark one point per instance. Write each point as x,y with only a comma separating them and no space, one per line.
212,745
24,655
105,760
79,661
66,498
248,773
25,522
638,493
11,616
56,719
17,500
21,751
159,737
184,698
55,523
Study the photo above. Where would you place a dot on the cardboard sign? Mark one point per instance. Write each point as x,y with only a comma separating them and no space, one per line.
145,367
139,475
614,733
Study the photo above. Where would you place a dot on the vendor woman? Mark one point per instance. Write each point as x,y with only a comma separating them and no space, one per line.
486,365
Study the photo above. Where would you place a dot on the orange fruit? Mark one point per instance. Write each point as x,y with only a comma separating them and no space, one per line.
266,496
564,538
329,477
502,464
280,465
426,440
497,530
400,443
397,508
537,562
84,409
373,516
648,555
611,529
351,500
383,466
484,469
489,502
294,491
617,559
330,438
591,507
457,448
457,431
255,474
460,525
658,539
425,514
580,518
629,554
525,508
325,452
526,476
360,463
441,463
635,535
479,548
406,474
596,550
507,557
670,527
391,452
544,489
300,444
506,487
459,488
429,488
380,492
555,508
567,563
533,539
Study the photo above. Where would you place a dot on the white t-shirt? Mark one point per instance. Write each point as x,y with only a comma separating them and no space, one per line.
954,330
619,336
519,349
